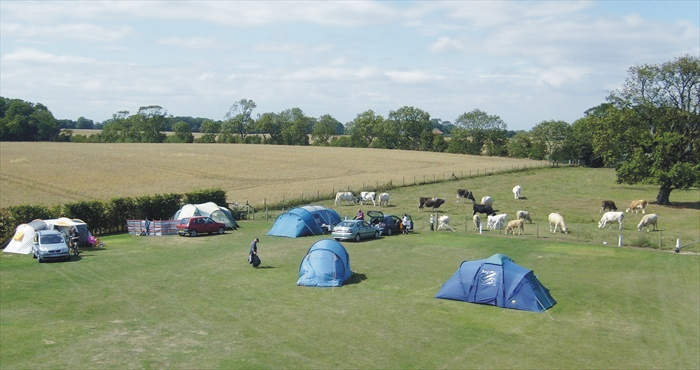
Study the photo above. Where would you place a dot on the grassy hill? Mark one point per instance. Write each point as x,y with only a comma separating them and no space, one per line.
195,303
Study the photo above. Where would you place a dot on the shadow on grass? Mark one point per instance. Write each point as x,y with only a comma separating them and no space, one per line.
522,198
266,267
690,205
356,278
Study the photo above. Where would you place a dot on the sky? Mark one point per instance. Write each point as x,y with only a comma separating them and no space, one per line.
524,61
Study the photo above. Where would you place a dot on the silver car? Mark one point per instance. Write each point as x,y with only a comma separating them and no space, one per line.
50,244
354,230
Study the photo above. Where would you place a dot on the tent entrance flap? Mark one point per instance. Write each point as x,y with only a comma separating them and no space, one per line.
488,283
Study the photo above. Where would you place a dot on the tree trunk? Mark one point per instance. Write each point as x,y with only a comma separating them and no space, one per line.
664,193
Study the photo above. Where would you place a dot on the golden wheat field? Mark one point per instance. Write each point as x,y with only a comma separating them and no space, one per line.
53,173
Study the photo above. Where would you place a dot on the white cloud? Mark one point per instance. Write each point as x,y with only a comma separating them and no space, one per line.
412,76
330,73
189,42
27,55
78,31
445,43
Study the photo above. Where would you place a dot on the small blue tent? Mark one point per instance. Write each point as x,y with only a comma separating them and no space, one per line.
304,221
326,264
497,281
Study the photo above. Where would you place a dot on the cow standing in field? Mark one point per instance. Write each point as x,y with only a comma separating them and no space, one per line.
384,199
368,196
345,196
464,194
433,203
607,205
516,191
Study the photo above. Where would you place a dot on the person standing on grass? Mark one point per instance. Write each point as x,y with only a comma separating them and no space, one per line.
253,258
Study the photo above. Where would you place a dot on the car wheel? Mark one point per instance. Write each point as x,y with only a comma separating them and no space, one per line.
221,230
38,258
388,231
357,237
193,233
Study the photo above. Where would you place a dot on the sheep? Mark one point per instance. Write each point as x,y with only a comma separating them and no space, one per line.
648,220
497,222
515,225
611,217
556,221
523,215
477,222
607,205
637,205
487,201
444,223
516,191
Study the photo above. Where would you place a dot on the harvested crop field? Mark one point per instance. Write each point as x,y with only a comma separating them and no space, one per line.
53,173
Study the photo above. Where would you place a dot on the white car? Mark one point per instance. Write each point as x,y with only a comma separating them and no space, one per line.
50,244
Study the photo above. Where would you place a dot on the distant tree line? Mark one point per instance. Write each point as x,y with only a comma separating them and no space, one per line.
647,130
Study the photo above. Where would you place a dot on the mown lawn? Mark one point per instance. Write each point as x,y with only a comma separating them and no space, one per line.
196,303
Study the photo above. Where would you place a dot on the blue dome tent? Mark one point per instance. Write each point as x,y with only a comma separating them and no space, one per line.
497,281
303,221
326,264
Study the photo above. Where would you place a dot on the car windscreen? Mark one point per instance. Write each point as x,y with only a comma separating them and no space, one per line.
184,221
346,224
51,239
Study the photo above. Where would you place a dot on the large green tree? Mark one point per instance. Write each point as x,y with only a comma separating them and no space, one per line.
239,117
550,137
480,129
414,128
650,132
325,127
25,121
365,128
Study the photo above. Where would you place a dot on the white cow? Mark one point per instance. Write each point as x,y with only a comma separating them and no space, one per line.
477,221
516,191
523,215
345,196
611,217
487,201
444,223
368,196
384,199
497,222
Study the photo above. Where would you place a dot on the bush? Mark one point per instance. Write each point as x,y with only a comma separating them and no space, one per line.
217,196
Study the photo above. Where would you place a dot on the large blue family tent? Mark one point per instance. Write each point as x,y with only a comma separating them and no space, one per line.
304,221
497,281
326,264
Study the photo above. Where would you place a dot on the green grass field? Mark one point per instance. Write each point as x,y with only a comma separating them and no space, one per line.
146,302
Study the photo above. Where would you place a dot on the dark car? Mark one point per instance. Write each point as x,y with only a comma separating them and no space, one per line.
194,226
387,224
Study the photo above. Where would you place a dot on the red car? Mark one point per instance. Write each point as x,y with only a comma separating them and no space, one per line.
193,226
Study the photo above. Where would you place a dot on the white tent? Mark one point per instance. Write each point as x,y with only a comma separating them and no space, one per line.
22,241
209,209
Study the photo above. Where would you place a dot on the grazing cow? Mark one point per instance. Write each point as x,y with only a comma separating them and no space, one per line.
515,225
444,223
607,205
497,222
384,199
477,222
611,217
368,196
523,215
464,194
345,196
556,221
482,208
433,203
647,221
487,201
516,191
637,205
